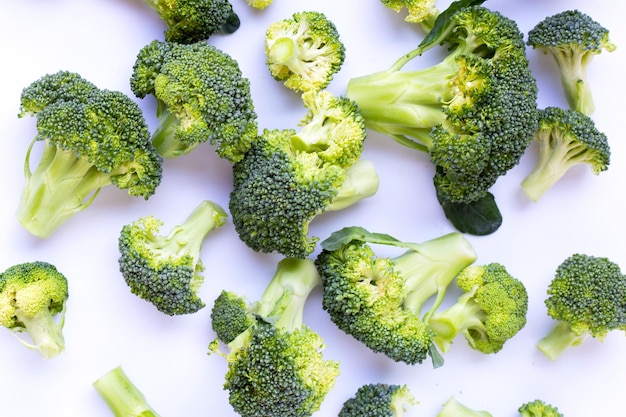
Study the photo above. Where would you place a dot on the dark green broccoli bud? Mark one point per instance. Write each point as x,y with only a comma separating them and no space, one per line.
166,270
304,51
193,21
491,310
453,408
566,138
122,396
231,316
275,366
378,400
587,298
288,178
538,408
573,39
92,138
33,298
201,96
379,300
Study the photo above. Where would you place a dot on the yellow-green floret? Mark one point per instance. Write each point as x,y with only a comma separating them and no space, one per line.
378,400
538,408
417,11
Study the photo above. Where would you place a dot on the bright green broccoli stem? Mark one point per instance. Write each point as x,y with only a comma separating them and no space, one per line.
60,186
45,333
361,182
285,52
573,72
122,396
558,340
164,137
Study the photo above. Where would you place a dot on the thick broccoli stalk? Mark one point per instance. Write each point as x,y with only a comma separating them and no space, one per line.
380,301
473,112
566,138
417,11
586,298
33,298
190,21
275,365
453,408
304,51
202,96
491,310
122,396
573,39
378,400
166,270
538,408
289,177
92,138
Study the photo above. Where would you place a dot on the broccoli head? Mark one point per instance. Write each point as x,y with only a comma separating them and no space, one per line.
379,300
289,177
92,138
491,310
417,11
122,396
304,51
259,4
275,363
565,138
453,408
586,297
378,400
195,20
32,296
538,408
166,270
573,39
201,96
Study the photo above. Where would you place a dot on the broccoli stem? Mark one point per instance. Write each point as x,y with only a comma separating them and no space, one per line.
573,73
361,182
46,334
122,396
285,52
558,340
164,138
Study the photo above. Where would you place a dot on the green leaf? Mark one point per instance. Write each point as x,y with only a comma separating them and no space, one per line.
481,217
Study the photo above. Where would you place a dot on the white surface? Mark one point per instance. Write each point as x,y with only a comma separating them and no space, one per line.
166,356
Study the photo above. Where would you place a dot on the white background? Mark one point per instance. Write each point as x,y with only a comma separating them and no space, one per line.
166,357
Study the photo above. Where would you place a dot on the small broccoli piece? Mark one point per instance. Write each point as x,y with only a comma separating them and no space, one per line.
193,21
275,365
586,298
32,296
92,138
201,96
122,396
453,408
573,39
259,4
378,400
491,310
538,408
289,177
566,138
166,270
304,51
379,300
417,11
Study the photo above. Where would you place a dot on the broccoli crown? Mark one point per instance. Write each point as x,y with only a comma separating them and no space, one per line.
196,20
166,270
259,4
304,51
491,310
378,300
418,11
92,138
566,138
31,295
122,396
538,408
201,96
378,400
453,408
231,316
474,112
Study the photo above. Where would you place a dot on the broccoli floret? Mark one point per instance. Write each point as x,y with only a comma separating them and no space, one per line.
586,298
288,178
166,270
33,298
379,300
453,408
275,365
473,112
259,4
378,400
92,138
193,21
491,310
122,396
417,11
573,39
566,138
304,51
538,408
201,96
